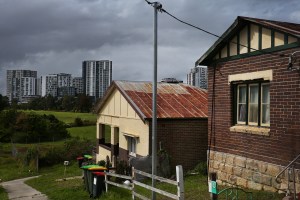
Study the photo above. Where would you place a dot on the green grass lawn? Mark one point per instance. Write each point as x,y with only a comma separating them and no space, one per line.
67,117
195,187
87,132
3,194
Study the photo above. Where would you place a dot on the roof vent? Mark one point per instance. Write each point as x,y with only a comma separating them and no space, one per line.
171,80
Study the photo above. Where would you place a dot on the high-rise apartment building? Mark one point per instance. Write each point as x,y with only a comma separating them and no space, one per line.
198,77
77,84
64,80
49,85
20,84
96,76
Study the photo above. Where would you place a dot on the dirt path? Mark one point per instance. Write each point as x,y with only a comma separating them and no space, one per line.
18,190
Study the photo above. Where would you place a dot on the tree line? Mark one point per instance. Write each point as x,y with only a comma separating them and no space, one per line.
21,127
80,103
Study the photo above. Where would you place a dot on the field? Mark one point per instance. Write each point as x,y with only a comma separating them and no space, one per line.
85,132
67,117
195,185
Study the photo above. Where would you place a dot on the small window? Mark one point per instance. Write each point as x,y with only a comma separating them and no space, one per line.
131,146
252,103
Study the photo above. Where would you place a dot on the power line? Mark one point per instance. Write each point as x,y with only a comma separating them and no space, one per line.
210,33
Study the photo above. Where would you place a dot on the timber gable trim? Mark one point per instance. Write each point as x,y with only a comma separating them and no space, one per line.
249,38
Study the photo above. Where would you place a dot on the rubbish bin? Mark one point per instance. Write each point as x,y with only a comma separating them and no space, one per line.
80,161
85,175
91,169
98,184
88,157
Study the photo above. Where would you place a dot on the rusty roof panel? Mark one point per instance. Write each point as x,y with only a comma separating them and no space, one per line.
173,100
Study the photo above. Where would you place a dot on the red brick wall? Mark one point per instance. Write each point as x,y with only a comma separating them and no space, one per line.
283,143
184,140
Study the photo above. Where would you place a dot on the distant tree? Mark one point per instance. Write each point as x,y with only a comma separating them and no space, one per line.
68,103
30,127
84,103
4,102
7,124
50,102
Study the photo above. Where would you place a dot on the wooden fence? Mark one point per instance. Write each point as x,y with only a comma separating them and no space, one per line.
179,183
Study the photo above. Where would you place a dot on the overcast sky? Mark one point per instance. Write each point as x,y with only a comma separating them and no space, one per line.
55,36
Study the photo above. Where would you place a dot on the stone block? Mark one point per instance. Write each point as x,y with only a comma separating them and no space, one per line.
269,189
228,169
247,174
229,159
216,165
263,179
262,167
211,155
219,182
252,164
237,171
211,164
222,167
275,184
232,179
298,187
222,176
240,161
283,186
220,157
254,186
273,170
241,182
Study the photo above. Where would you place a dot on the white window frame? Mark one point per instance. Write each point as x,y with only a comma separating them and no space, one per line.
258,104
238,93
131,145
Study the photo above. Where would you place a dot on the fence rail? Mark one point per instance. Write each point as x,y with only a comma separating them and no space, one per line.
179,183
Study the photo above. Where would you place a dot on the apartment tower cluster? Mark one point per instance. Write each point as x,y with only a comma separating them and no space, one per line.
24,85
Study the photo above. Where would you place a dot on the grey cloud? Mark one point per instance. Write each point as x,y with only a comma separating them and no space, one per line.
52,35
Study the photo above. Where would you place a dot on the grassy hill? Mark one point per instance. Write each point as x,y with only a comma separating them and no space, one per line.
67,117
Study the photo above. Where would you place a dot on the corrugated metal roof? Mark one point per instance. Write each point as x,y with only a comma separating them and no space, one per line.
173,100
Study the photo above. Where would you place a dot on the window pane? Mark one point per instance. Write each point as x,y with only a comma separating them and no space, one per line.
254,94
253,103
242,113
253,108
265,114
266,94
242,94
265,106
242,89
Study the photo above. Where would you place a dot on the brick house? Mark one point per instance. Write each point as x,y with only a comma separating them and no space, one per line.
124,122
254,103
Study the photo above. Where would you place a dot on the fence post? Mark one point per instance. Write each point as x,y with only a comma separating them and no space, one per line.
180,183
106,185
132,188
213,177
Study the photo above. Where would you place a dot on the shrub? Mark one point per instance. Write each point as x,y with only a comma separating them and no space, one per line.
78,121
102,163
200,168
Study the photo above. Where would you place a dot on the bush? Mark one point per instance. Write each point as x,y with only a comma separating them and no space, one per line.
78,121
201,168
71,149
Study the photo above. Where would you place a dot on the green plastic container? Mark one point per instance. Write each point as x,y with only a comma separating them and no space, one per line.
90,176
85,175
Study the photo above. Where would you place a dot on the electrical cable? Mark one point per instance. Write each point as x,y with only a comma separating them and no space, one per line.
210,33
